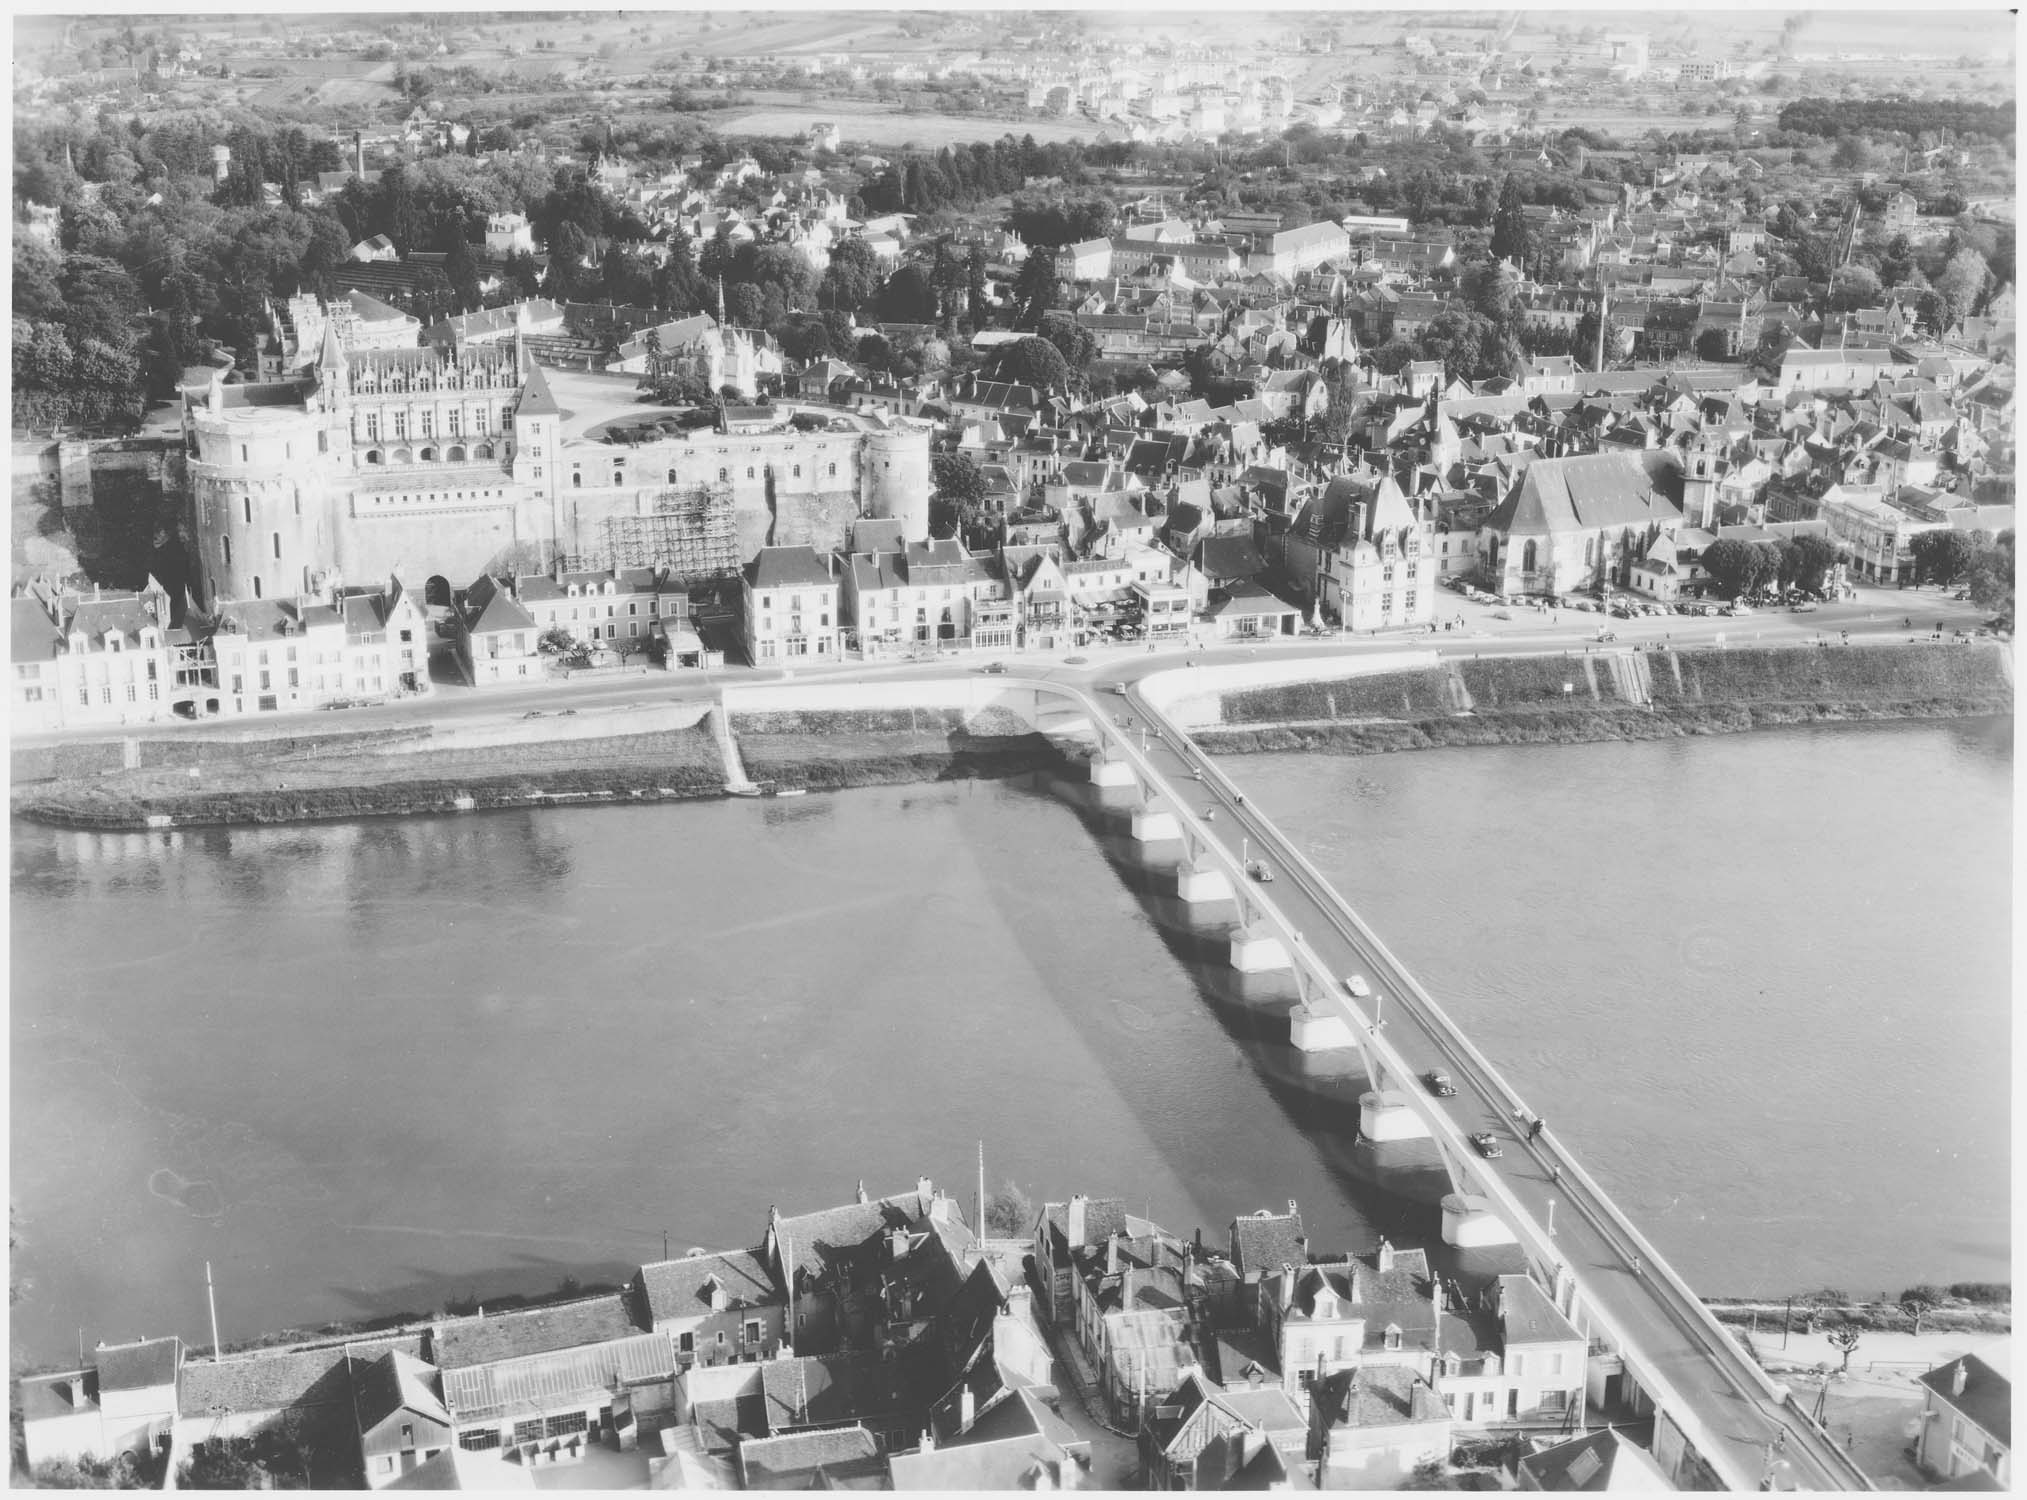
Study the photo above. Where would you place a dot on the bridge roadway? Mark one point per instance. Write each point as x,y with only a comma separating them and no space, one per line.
1750,1432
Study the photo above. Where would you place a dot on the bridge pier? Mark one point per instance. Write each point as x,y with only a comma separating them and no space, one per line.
1257,952
1107,772
1199,883
1469,1222
1313,1030
1153,823
1385,1115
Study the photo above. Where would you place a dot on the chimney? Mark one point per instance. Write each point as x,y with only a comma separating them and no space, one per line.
720,1298
1112,1256
967,1409
1386,1255
924,1194
1073,1220
1287,1284
939,1208
862,1191
1291,1208
1959,1377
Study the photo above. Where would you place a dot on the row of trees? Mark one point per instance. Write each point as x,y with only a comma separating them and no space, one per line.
1739,568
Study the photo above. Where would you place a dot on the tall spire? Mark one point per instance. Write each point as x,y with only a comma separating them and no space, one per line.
721,301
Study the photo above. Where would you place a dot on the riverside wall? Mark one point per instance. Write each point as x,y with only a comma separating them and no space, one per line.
1573,699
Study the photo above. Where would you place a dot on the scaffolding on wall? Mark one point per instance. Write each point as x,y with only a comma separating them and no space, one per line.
693,532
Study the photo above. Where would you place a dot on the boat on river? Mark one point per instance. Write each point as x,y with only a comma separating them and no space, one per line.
763,789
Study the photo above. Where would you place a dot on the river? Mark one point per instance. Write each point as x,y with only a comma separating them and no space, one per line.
1759,981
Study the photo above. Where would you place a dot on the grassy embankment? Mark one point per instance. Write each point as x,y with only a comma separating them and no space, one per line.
1988,1312
879,747
350,776
1522,700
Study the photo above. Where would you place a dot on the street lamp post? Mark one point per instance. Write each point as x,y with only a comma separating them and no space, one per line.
1551,1217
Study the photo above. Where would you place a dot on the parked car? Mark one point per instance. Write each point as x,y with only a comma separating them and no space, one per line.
994,667
1803,608
1439,1084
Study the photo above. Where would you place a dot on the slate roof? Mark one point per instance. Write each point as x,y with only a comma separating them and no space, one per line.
834,1388
1602,1461
536,399
396,1382
264,1381
1586,492
1528,1317
139,1366
1229,557
457,1342
455,1469
1377,1396
1987,1397
1267,1242
489,608
32,635
1103,1218
841,1458
787,568
677,1288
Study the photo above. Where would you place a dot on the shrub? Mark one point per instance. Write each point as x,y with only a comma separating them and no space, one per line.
1984,1293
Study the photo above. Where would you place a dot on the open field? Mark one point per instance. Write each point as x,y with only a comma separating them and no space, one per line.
878,128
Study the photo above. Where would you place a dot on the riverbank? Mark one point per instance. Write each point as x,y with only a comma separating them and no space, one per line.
826,751
185,784
1587,697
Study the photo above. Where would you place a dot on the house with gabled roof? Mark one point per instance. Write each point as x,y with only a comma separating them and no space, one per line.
1198,1437
1605,1460
496,636
1377,1308
1967,1420
1373,1425
716,1306
99,658
830,1458
791,607
400,1414
1510,1355
1007,1439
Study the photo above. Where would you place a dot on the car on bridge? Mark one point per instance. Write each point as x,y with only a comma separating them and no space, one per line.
995,667
1486,1145
1439,1084
1357,985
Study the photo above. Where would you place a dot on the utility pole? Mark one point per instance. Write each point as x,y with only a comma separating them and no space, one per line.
211,1296
981,1190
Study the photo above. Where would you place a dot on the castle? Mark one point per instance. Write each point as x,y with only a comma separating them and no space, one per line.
457,462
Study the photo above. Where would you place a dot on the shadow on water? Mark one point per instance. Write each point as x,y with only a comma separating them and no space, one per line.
1395,1187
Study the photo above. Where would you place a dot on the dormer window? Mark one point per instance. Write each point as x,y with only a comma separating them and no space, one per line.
1393,1336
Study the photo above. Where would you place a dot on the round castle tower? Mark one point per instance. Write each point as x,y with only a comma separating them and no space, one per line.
894,478
261,486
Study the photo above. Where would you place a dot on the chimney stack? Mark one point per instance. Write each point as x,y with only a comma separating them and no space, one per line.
925,1194
1287,1284
1961,1375
1073,1220
967,1409
1112,1256
1386,1255
862,1191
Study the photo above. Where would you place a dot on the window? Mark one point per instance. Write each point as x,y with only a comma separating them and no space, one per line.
277,544
529,1431
798,471
749,471
130,692
755,1328
105,695
723,475
565,1423
84,697
686,1342
479,1439
384,1462
242,453
264,682
256,586
407,1435
246,506
721,1338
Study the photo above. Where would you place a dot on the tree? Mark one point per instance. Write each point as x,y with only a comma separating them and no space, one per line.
1030,361
908,297
1076,345
852,277
1942,556
1812,558
1511,238
1918,1301
1712,345
1854,287
1991,579
1845,1341
1010,1213
958,507
461,270
1037,289
1961,281
1739,567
